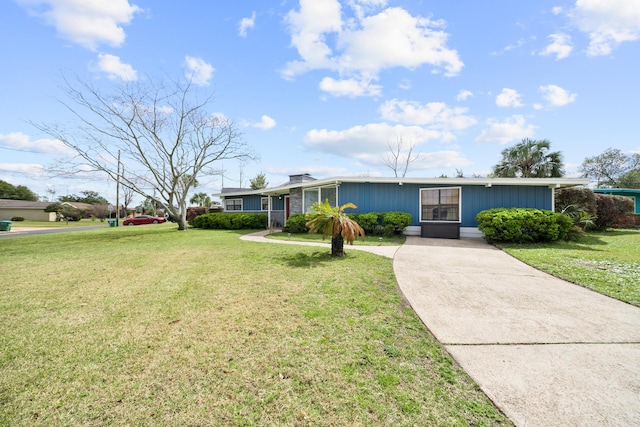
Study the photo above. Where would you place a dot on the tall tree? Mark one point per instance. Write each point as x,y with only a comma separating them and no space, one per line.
530,159
89,197
398,158
259,182
335,223
166,137
201,199
607,168
630,179
19,192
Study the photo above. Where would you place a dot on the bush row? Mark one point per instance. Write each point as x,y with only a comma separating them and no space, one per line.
523,225
594,210
373,223
230,221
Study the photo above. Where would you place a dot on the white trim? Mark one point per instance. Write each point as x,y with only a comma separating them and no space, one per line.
441,188
470,233
234,210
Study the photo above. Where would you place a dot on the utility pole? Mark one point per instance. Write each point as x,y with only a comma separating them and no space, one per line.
118,193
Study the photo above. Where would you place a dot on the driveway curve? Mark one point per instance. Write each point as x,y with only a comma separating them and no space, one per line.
547,352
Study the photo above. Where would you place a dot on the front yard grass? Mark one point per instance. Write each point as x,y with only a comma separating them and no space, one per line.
149,326
607,262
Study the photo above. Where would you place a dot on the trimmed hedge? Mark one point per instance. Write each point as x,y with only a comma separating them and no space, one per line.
373,223
231,221
523,225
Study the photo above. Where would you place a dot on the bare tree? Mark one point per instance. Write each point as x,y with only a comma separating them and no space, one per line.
397,160
166,136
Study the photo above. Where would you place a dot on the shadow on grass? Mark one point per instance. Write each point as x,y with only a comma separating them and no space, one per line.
316,259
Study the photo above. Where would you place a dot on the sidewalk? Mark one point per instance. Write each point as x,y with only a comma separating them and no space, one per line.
547,352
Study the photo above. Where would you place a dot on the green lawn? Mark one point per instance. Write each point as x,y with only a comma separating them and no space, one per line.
148,326
57,224
607,262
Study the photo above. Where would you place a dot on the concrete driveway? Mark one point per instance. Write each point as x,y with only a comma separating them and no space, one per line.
547,352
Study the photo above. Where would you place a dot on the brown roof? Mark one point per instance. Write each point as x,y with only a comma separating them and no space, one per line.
22,204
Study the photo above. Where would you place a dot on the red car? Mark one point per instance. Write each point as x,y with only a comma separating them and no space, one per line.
143,219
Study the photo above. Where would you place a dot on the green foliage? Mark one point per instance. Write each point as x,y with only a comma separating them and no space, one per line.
581,198
231,221
609,167
17,218
523,225
530,159
630,179
89,197
259,182
613,211
332,221
370,222
396,221
296,223
201,200
65,212
20,192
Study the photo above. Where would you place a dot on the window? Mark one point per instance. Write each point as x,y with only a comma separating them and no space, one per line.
313,195
265,203
440,204
233,204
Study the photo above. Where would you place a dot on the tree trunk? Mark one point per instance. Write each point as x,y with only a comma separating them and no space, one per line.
337,245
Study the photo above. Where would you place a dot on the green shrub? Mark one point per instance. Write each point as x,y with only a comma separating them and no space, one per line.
395,222
370,222
17,218
523,225
296,223
613,211
230,221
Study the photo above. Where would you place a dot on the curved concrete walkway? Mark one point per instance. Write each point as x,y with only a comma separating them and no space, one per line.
547,352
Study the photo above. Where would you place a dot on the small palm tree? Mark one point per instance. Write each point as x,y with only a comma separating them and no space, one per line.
530,159
334,222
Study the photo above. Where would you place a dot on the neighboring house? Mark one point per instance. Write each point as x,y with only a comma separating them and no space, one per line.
633,194
439,207
33,211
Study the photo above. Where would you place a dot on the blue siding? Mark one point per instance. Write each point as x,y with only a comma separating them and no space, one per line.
475,198
479,198
254,203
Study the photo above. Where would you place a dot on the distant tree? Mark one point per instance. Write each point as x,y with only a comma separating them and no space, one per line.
20,192
530,159
161,131
607,168
88,197
630,179
127,197
65,212
201,199
398,159
259,182
335,223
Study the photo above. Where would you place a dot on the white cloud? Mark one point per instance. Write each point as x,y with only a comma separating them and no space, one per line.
30,169
560,46
246,24
556,10
511,129
509,98
557,96
361,142
115,69
349,87
265,123
199,71
435,115
21,142
359,48
607,23
87,23
464,95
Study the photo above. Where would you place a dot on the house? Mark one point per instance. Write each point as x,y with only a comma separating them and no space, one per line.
632,193
33,211
439,207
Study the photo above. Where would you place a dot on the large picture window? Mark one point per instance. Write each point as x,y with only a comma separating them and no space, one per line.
440,204
313,195
233,204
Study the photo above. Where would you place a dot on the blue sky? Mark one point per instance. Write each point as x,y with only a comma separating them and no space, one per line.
323,86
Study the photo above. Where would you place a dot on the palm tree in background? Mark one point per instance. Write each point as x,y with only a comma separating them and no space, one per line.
530,159
335,223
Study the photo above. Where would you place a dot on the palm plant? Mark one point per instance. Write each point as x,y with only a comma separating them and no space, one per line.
530,159
334,222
